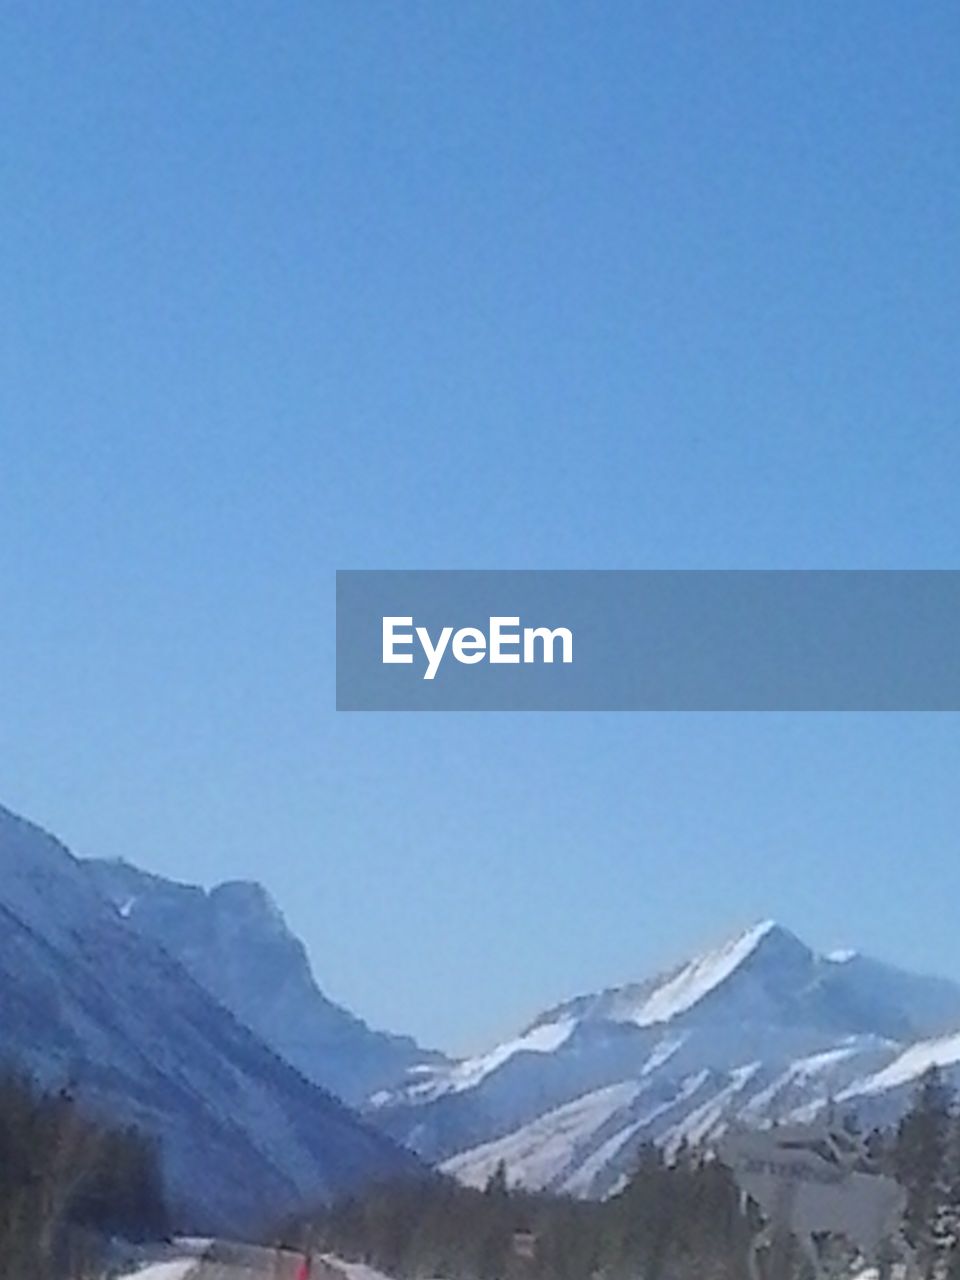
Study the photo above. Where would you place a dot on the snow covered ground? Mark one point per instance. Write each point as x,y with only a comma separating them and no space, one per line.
356,1270
176,1269
173,1261
182,1268
239,1262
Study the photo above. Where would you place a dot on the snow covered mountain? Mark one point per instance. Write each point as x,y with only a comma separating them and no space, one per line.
759,1028
234,941
90,1003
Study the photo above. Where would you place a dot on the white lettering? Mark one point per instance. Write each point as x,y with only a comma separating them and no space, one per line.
391,639
434,652
499,637
470,645
548,637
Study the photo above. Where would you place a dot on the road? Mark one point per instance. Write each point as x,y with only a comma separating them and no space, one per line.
246,1262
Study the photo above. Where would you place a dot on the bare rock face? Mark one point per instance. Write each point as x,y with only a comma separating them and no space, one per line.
233,940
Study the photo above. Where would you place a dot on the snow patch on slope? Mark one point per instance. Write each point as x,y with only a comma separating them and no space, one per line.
543,1149
910,1066
706,1120
544,1038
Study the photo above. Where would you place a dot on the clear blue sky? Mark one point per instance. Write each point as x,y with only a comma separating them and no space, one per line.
292,287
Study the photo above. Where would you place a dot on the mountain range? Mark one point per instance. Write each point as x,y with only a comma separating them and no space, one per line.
759,1029
196,1015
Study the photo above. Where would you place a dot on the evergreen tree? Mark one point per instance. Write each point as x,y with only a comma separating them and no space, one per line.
65,1180
920,1159
497,1182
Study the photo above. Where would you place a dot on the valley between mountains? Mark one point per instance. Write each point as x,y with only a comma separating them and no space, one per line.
195,1015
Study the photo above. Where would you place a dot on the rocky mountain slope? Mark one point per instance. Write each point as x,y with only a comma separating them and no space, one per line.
234,942
89,1003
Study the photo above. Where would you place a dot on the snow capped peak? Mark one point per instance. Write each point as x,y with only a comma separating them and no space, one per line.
693,981
679,990
765,947
759,930
647,1005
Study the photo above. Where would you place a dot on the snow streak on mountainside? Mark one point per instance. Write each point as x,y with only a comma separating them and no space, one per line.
234,941
89,1003
908,1066
757,1029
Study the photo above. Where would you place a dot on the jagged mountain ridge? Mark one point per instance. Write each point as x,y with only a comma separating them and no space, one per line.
790,982
757,1029
234,941
89,1003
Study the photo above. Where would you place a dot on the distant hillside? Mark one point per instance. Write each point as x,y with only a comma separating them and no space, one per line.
88,1001
234,941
